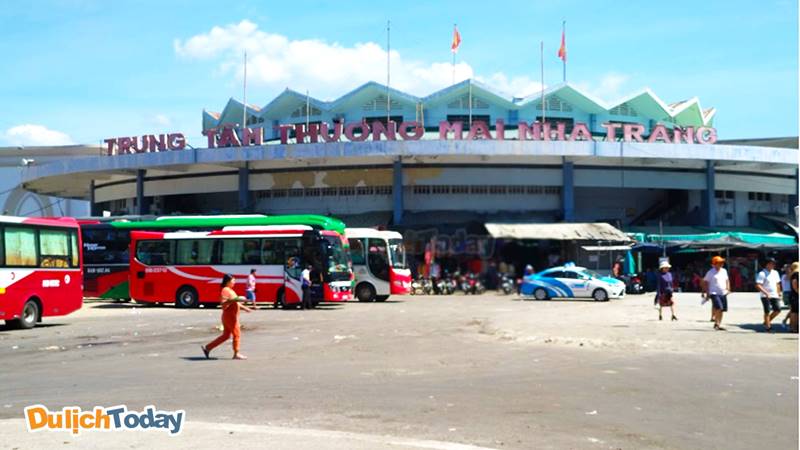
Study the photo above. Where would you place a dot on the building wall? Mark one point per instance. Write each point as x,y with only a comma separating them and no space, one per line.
613,203
16,201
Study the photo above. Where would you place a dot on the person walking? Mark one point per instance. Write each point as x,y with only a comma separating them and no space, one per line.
768,283
715,287
794,297
229,302
786,291
665,290
250,290
306,280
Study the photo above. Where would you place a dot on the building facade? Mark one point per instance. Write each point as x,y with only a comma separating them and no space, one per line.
377,156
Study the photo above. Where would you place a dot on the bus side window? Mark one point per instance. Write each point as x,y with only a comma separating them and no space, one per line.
20,247
74,252
357,254
154,253
271,252
193,251
2,248
54,248
252,252
232,251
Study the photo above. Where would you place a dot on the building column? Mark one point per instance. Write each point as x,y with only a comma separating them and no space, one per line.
140,206
244,189
709,201
92,204
568,191
397,192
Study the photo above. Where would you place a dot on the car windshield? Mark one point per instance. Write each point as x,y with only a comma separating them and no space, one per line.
336,255
589,273
397,253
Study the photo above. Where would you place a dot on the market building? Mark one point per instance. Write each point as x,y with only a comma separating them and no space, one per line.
460,157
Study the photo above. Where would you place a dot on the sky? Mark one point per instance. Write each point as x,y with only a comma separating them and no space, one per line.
83,71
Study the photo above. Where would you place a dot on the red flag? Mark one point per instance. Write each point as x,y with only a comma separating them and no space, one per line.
456,40
562,51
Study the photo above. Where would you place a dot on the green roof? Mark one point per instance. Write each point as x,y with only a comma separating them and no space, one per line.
315,221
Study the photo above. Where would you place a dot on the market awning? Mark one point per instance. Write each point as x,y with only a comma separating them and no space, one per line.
606,248
557,231
725,239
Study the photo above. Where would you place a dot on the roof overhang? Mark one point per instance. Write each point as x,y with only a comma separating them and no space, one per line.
557,231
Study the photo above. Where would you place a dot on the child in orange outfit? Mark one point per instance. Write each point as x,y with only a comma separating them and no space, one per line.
230,303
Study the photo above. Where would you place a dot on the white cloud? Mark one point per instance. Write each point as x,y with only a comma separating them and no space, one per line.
161,120
326,70
32,135
609,88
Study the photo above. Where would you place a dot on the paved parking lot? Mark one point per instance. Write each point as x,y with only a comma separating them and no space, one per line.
418,372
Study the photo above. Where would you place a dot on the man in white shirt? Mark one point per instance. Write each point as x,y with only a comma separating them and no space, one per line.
768,283
716,285
306,279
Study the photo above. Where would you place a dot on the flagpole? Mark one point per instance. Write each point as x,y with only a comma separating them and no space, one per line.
453,51
244,94
470,102
388,73
564,59
541,55
308,111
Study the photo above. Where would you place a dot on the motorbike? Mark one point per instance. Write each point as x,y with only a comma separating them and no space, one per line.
443,286
422,286
473,285
507,284
633,284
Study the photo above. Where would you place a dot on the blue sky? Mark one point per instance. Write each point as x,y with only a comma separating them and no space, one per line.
82,71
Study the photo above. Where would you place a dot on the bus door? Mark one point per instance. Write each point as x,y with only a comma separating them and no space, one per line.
378,263
314,257
293,270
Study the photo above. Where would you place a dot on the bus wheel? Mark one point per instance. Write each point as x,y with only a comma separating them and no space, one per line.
281,301
29,317
381,298
365,292
186,298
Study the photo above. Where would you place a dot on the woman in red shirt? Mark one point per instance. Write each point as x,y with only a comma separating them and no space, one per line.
230,303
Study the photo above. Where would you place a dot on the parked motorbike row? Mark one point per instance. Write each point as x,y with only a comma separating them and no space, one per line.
470,283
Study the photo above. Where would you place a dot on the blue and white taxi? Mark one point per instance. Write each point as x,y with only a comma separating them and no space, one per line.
570,281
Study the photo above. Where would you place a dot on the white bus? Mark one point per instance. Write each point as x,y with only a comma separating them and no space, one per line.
379,264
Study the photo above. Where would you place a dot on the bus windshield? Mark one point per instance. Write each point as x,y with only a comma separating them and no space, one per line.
105,245
336,257
397,253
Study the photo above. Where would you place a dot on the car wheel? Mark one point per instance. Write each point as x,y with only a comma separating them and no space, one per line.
600,295
365,292
540,294
29,317
187,298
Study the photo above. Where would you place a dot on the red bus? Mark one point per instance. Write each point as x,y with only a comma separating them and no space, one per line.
40,269
186,267
106,242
